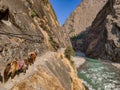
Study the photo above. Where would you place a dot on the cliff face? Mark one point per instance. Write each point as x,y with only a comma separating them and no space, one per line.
27,25
103,38
81,19
31,25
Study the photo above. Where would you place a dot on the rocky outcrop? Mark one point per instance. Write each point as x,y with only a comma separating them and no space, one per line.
55,73
27,25
81,19
103,38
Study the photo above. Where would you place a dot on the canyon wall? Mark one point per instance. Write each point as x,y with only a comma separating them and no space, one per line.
103,38
31,25
28,25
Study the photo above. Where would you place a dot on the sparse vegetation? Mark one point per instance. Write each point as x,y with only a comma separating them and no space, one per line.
52,42
72,30
68,53
71,79
33,14
79,36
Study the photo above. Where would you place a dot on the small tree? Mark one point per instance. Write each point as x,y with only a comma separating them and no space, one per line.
69,52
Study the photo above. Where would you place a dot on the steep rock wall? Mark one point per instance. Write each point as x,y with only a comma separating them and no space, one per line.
27,25
31,25
103,38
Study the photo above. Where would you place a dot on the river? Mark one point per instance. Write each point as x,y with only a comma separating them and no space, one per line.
99,75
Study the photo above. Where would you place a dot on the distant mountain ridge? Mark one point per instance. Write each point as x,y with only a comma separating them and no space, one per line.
82,16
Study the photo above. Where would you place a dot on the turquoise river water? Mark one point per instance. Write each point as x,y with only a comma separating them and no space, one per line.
98,75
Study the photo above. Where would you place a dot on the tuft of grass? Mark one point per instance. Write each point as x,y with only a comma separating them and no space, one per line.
33,14
79,36
53,43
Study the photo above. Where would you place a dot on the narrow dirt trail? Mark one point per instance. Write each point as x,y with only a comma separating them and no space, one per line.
40,60
31,70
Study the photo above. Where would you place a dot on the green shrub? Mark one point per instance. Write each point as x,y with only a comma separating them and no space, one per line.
33,14
79,36
51,41
68,53
72,30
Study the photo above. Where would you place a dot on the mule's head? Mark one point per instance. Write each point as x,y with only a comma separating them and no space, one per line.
33,55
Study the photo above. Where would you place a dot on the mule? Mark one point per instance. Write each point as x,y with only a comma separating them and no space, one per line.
15,67
32,57
6,72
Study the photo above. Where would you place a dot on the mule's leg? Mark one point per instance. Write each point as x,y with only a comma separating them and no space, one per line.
18,72
1,78
29,60
24,69
5,79
27,67
32,61
13,75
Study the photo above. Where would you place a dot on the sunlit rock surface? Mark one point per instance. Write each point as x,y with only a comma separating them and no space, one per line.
82,17
53,73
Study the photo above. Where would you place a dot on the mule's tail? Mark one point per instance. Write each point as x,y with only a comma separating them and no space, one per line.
6,72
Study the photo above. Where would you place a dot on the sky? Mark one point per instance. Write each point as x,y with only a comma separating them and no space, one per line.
63,8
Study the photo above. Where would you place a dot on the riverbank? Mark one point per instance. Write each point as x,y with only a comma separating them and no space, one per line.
100,75
117,65
79,59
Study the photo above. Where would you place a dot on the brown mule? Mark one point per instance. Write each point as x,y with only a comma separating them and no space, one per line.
15,67
10,70
32,57
27,62
30,60
6,72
